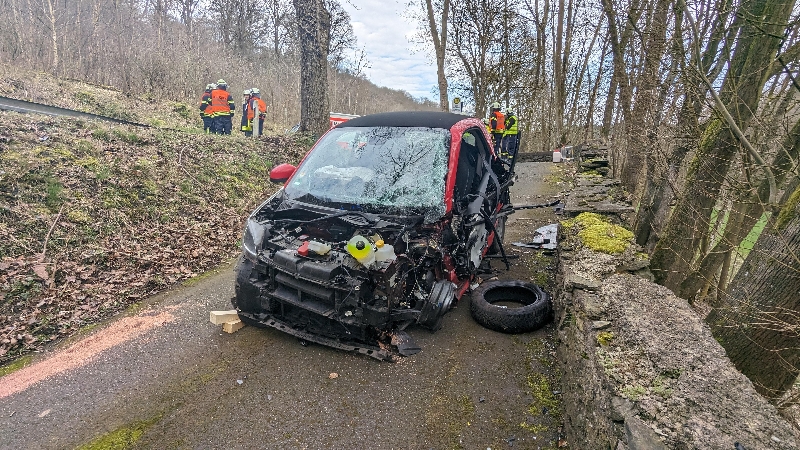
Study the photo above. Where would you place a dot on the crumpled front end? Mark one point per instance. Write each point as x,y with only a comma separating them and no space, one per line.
297,275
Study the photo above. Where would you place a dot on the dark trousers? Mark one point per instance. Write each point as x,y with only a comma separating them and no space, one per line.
223,124
510,145
208,124
498,137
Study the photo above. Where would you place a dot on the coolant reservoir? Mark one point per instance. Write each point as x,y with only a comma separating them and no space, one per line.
361,249
319,248
384,252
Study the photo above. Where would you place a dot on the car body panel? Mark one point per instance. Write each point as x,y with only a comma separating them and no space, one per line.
302,272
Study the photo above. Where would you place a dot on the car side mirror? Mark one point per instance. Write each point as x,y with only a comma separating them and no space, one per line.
281,173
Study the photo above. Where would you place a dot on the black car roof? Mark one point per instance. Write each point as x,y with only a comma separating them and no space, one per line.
431,119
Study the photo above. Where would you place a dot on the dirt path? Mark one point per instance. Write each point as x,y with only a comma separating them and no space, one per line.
168,376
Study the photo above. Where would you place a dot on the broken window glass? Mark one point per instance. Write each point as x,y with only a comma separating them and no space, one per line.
396,170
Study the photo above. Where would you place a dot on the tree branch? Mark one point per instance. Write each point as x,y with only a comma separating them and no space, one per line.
726,115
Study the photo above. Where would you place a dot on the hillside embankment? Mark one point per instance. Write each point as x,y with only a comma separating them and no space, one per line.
95,216
640,367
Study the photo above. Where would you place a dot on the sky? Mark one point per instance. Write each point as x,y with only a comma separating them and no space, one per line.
384,33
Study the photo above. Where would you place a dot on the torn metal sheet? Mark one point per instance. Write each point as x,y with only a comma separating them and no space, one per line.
543,238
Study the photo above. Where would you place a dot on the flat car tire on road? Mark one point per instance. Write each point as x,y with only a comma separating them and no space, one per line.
535,311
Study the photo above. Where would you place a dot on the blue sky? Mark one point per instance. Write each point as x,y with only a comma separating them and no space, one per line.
385,32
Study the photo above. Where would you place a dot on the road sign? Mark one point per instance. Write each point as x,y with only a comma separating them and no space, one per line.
457,106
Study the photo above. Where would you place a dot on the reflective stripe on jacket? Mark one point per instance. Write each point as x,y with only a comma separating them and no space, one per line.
511,126
221,103
205,100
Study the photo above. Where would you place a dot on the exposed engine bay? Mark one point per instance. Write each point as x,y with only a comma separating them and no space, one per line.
308,275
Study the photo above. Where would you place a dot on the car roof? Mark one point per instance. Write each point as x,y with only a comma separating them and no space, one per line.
430,119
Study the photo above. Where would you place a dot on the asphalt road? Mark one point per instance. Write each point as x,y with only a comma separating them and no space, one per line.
165,377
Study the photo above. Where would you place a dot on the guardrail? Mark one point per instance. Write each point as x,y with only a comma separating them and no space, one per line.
23,106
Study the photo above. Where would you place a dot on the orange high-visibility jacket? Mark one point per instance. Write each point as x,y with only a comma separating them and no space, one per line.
498,122
205,101
221,103
262,108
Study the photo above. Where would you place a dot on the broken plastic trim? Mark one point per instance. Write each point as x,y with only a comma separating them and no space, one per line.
541,205
369,350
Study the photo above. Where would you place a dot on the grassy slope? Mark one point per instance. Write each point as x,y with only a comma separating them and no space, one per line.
120,213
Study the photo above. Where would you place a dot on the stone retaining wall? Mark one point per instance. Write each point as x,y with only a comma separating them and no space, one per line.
640,367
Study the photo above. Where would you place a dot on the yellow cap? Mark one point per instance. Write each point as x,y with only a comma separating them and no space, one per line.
379,243
359,247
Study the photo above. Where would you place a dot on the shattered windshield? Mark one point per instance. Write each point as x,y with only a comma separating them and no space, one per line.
399,170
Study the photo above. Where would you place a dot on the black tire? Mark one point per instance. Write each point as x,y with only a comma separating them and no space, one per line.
535,312
500,234
439,302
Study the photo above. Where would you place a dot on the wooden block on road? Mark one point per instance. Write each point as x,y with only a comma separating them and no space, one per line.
232,326
220,317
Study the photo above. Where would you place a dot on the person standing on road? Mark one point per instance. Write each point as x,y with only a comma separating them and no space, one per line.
223,106
205,101
256,104
510,135
246,127
497,121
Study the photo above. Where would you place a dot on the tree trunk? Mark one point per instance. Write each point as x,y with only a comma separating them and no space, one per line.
641,133
51,16
439,38
313,28
741,91
758,326
745,215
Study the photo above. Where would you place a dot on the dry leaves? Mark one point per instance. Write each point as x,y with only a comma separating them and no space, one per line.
136,222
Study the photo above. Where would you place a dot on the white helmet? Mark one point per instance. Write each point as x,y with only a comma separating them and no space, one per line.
246,92
509,111
255,91
496,105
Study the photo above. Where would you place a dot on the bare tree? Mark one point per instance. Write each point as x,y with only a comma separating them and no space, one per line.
313,29
757,45
438,33
758,323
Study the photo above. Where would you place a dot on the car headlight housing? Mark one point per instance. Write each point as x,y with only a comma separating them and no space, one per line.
252,240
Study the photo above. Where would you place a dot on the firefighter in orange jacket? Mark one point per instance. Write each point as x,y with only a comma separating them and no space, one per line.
222,107
205,101
256,104
245,125
498,123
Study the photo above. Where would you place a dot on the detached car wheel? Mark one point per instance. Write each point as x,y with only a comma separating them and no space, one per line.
534,312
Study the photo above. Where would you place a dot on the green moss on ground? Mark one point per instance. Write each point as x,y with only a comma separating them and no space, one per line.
121,438
21,363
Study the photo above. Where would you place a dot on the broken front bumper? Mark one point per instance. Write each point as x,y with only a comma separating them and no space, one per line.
330,300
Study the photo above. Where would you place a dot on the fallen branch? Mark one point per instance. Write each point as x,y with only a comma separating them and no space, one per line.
49,232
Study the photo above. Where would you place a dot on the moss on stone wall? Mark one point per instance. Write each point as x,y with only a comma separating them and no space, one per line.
599,234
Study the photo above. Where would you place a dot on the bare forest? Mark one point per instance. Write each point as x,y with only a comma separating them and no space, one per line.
173,48
697,101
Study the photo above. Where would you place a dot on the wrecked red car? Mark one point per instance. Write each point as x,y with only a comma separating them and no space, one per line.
381,227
